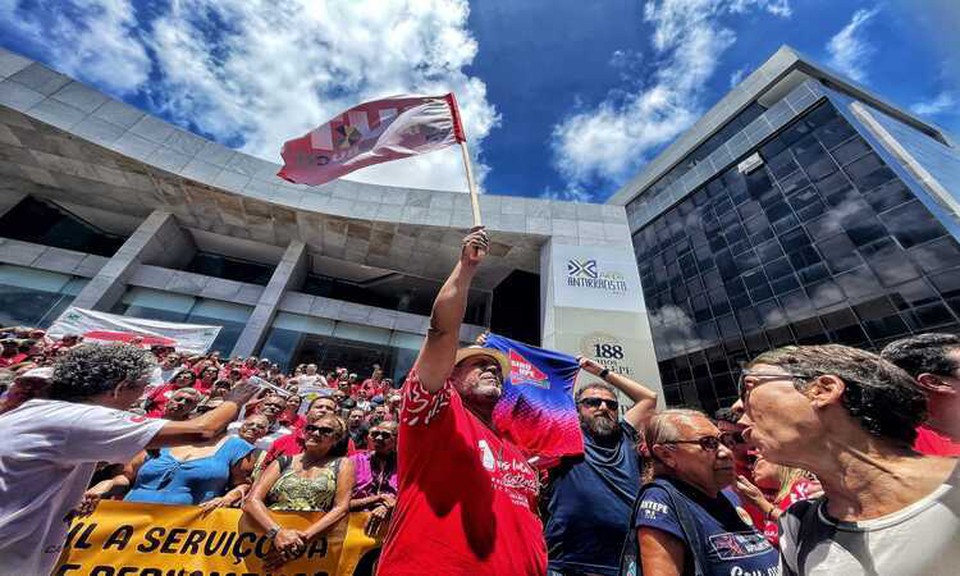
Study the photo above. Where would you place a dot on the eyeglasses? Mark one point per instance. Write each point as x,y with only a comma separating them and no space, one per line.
380,435
744,392
321,430
731,439
708,443
597,402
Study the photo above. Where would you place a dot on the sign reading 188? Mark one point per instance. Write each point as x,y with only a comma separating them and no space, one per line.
608,351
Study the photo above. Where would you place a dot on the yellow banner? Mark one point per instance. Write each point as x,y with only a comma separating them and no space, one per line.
132,539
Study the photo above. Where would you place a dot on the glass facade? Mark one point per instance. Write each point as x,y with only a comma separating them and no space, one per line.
230,268
822,243
170,307
39,222
294,339
393,291
30,297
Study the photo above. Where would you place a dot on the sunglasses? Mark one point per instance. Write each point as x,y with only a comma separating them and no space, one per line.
597,402
708,443
321,430
378,435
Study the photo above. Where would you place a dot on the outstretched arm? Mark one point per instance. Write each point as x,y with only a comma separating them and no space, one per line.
439,351
645,399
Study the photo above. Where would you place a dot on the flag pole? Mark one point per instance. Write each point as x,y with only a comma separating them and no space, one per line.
465,152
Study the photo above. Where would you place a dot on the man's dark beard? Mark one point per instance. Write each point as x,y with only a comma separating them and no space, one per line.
601,428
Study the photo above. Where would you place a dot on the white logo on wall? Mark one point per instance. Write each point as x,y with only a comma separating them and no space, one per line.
596,278
607,350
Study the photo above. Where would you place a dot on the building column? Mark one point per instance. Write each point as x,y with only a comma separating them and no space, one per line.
289,273
592,305
157,240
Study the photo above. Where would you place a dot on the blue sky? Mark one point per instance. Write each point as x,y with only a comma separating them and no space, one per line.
561,98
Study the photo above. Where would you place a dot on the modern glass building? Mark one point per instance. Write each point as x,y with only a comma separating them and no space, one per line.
800,209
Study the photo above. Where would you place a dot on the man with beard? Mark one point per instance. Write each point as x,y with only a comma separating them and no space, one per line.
467,498
589,499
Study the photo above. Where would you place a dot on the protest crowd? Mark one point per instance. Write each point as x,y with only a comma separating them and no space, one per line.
834,460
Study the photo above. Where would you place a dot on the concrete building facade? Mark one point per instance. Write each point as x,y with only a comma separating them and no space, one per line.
105,207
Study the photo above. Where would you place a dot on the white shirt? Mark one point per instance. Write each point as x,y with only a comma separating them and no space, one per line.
922,539
48,454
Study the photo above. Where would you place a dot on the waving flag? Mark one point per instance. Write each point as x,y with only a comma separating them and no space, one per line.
371,133
537,411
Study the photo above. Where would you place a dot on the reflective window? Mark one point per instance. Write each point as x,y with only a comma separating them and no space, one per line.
40,222
295,339
30,297
821,244
230,268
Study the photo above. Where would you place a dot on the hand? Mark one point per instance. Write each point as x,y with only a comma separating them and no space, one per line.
213,504
474,247
241,393
589,365
481,339
748,491
287,545
388,500
88,504
376,520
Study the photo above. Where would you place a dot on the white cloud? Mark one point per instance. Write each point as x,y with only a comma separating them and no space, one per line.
738,76
614,138
261,72
93,40
943,102
849,50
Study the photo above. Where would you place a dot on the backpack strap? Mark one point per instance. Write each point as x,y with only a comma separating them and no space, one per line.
630,553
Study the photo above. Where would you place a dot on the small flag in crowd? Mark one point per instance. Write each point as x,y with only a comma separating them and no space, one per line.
371,133
536,411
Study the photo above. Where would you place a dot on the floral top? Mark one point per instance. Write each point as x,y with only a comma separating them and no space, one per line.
294,493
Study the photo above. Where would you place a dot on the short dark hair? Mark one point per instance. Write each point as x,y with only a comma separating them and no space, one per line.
878,394
592,385
923,353
726,415
89,370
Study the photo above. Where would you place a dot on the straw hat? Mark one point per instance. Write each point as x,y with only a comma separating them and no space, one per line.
471,351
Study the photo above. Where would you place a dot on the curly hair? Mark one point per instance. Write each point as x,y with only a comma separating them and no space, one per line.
89,370
924,353
878,394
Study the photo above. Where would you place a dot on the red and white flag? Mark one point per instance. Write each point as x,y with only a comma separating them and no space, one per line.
371,133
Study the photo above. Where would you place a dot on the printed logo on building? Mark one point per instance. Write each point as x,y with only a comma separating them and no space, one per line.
522,371
586,274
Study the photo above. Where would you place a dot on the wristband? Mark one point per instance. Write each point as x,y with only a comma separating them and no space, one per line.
272,533
603,373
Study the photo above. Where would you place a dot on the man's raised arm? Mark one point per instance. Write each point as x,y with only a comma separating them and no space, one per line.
439,351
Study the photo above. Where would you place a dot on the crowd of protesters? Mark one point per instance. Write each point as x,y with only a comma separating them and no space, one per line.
833,460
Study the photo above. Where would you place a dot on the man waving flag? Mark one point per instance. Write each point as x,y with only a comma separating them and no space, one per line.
371,133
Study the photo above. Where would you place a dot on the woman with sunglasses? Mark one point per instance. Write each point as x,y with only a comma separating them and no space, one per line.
376,470
319,479
684,522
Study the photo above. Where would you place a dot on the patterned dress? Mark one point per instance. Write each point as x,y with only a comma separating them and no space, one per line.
293,493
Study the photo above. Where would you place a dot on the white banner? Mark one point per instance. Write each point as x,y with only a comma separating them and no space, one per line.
100,327
597,278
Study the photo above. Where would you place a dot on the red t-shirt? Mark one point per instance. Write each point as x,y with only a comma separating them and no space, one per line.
800,490
932,443
468,500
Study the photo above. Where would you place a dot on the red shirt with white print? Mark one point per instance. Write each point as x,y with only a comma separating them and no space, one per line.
468,500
